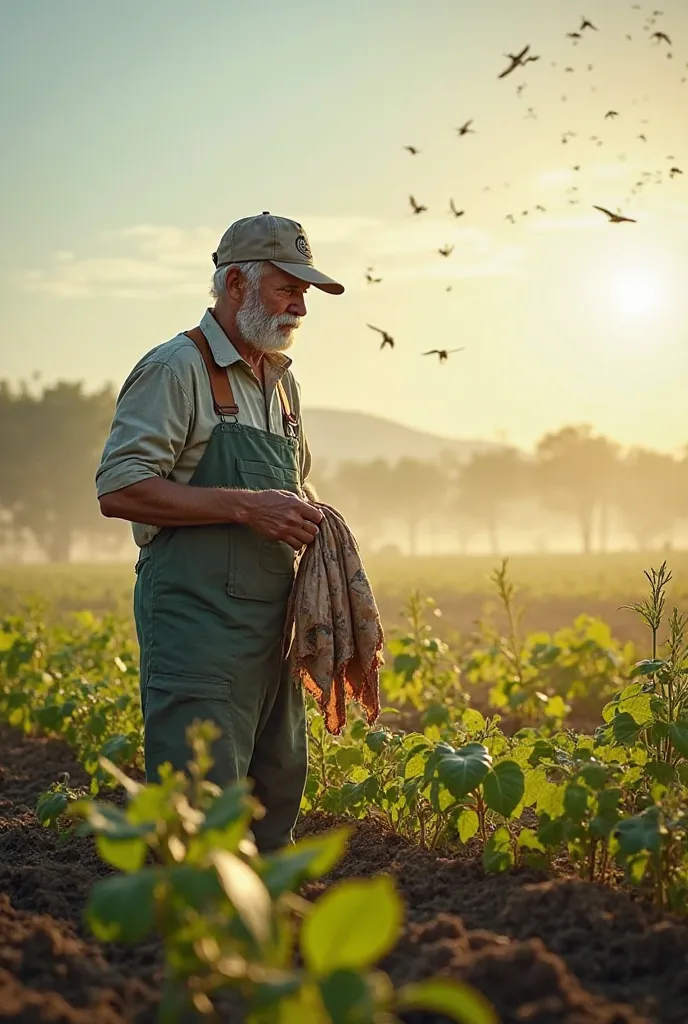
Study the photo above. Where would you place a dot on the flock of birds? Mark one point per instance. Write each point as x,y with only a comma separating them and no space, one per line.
517,61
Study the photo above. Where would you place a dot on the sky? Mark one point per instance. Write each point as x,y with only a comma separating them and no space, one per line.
135,133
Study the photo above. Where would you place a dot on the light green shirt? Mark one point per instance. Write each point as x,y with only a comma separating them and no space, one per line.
165,415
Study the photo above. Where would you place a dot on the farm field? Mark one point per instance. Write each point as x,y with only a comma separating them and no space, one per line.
524,791
557,588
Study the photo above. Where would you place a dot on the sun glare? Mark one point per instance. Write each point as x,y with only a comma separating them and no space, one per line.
635,292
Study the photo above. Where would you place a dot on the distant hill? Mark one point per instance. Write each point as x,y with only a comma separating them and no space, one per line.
336,436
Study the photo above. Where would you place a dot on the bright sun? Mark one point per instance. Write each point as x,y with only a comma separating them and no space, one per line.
635,292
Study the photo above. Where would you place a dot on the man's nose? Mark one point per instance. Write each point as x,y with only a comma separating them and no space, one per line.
298,307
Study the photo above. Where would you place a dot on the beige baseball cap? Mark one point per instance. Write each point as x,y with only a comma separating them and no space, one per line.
277,239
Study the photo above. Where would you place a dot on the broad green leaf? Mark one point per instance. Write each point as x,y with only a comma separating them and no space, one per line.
310,858
347,997
660,771
504,787
463,770
542,751
50,806
637,865
121,909
528,840
551,831
150,805
642,832
406,665
556,707
576,801
453,999
199,887
246,892
551,800
118,748
625,729
468,824
232,806
472,720
347,757
415,766
678,731
352,925
108,820
594,775
317,727
124,854
498,855
377,740
647,667
607,812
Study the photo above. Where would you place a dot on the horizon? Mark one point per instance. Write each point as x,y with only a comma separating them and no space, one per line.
565,318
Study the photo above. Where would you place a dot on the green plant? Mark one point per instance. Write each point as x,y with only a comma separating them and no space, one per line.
79,683
536,677
232,919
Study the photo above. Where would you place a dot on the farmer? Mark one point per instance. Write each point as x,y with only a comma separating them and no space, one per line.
208,460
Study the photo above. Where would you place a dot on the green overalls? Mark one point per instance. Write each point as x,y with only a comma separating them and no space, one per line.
210,605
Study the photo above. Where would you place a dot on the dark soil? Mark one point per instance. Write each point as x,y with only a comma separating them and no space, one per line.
544,951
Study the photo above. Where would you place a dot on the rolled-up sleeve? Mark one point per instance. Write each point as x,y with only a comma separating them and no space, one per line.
152,420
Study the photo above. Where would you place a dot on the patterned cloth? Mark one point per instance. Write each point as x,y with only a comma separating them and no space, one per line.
336,628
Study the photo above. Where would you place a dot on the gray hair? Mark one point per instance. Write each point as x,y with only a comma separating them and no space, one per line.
251,269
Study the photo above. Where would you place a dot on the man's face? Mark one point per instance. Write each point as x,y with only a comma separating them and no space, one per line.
272,311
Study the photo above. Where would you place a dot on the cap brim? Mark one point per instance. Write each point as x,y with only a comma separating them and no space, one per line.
305,272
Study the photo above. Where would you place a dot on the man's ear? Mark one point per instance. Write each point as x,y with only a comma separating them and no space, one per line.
234,283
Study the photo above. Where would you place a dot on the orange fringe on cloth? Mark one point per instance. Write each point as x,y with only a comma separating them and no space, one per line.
334,626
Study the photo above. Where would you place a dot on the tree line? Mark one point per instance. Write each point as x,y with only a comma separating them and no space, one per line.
52,439
585,480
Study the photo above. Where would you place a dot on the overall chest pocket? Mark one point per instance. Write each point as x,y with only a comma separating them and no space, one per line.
261,569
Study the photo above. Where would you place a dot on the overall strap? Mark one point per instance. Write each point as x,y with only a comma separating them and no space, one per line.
223,396
291,422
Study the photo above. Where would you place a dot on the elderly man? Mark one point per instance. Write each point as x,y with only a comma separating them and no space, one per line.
207,459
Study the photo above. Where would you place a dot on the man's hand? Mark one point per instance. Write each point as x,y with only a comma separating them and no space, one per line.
280,515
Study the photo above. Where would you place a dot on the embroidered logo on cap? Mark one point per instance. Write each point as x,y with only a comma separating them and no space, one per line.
303,247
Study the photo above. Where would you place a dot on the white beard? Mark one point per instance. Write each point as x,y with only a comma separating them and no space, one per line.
262,330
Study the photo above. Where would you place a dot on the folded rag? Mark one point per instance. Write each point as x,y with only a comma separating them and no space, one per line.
334,624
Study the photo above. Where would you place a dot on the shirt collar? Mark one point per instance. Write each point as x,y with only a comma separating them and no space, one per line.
224,352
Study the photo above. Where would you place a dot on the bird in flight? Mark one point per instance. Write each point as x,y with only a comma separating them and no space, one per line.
452,207
611,114
520,88
574,35
642,137
614,218
518,60
661,37
510,217
673,171
417,207
586,23
412,150
446,250
531,114
369,277
387,339
443,353
540,208
466,128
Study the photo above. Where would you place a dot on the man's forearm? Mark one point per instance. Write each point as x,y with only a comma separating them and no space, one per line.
158,502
